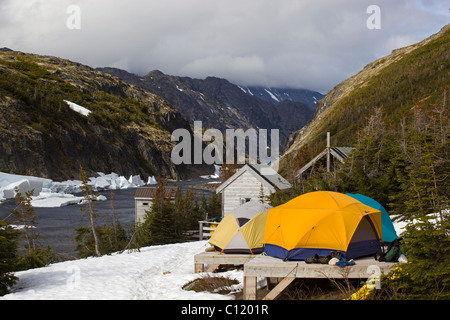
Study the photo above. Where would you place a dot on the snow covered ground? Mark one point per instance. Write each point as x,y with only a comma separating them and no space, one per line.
155,273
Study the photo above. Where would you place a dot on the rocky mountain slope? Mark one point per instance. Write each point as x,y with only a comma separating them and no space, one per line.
127,130
221,104
413,75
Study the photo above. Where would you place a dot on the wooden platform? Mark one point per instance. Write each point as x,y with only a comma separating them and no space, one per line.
286,271
215,259
281,273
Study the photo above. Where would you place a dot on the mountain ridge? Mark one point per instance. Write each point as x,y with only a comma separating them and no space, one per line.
219,103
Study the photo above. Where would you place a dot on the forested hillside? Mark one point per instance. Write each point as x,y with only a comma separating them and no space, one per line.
41,135
412,76
397,119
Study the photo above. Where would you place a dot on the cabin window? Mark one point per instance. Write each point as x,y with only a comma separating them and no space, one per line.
245,200
145,203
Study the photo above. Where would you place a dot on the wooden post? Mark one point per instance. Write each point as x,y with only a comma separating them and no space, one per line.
200,230
328,153
199,267
249,288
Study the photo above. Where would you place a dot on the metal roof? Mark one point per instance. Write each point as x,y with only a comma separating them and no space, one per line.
149,192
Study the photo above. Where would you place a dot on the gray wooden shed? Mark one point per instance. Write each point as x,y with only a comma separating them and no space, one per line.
143,199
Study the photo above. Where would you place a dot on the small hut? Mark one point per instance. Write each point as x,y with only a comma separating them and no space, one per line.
143,199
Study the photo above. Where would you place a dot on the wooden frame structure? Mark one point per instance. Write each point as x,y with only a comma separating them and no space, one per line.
280,274
330,154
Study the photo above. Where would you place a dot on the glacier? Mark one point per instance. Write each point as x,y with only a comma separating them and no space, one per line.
49,193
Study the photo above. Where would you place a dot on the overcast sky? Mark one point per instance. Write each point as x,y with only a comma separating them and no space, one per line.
312,44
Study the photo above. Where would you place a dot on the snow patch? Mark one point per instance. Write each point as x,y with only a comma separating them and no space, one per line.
215,175
242,89
77,108
272,95
51,200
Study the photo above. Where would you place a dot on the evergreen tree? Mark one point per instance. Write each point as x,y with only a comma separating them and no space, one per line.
214,205
110,239
9,258
186,211
405,168
84,235
427,245
424,186
25,216
34,256
113,238
160,226
94,239
172,215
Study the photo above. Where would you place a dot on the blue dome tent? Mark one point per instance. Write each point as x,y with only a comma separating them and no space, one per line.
388,229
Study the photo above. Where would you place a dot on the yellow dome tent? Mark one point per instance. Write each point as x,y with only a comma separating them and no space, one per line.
320,222
243,230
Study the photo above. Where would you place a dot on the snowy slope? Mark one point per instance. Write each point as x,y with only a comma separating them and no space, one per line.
155,273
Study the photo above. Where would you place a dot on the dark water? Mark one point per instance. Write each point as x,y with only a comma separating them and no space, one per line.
56,225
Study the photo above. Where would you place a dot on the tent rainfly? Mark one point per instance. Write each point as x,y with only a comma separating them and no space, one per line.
320,222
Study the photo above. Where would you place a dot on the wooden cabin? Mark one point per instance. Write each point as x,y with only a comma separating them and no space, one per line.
143,199
249,183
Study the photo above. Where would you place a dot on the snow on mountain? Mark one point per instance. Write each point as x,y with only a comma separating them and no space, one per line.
278,95
272,95
77,108
154,273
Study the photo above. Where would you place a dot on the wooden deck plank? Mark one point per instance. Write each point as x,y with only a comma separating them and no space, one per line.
216,258
266,266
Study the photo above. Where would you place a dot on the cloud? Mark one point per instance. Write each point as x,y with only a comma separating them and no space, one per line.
294,43
236,69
